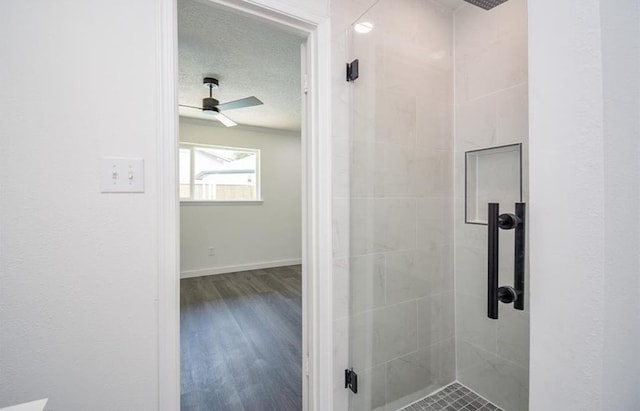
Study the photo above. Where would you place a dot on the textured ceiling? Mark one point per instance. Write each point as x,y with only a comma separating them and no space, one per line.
249,57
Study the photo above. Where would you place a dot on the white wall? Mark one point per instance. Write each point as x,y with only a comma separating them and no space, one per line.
621,80
245,236
78,269
584,169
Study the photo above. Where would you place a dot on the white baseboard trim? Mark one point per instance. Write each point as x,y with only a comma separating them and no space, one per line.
235,268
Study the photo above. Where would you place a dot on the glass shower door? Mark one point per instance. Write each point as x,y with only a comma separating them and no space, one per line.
402,323
423,168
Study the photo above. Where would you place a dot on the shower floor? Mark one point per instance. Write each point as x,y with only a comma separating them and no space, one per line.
454,397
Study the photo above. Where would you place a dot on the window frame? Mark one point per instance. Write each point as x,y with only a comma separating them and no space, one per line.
191,201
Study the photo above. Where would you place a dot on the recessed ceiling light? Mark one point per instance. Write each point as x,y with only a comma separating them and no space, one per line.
363,27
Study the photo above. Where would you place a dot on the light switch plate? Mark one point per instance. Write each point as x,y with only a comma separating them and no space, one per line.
122,175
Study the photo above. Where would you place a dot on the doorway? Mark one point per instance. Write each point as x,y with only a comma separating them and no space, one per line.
240,103
316,287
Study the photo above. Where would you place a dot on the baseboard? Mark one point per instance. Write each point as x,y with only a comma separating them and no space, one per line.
235,268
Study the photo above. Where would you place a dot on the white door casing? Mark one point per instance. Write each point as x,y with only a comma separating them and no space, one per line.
316,201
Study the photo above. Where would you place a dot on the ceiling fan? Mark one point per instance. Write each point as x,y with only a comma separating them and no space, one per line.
212,107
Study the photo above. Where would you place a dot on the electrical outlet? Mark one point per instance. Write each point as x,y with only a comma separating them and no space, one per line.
212,251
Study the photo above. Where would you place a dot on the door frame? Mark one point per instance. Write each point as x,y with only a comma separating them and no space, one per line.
317,288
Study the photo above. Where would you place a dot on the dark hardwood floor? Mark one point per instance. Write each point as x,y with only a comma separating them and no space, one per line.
241,341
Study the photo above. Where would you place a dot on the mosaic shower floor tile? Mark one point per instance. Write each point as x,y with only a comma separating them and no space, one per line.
454,397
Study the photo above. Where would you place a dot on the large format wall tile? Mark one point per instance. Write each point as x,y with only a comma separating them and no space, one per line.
436,319
476,123
367,282
512,120
382,224
401,189
471,262
432,173
418,273
395,117
471,271
491,107
491,49
371,390
401,162
499,380
340,348
434,122
472,324
400,166
435,222
383,334
340,396
468,235
406,278
438,263
415,375
343,13
513,336
340,288
340,167
367,169
340,227
391,170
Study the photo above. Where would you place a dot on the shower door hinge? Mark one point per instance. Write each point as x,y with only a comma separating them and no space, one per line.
352,70
305,85
351,380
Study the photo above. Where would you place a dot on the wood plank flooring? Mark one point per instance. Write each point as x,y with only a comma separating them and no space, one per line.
241,341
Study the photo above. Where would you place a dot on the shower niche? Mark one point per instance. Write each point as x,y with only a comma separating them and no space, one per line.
492,175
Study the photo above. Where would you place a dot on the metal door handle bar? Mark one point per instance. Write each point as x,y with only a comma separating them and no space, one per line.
518,264
505,294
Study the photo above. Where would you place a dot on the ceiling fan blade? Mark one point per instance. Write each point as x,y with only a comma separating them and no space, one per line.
243,102
226,120
184,105
197,112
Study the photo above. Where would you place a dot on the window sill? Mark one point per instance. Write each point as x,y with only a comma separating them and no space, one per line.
210,202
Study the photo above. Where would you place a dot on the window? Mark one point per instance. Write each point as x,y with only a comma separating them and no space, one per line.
216,173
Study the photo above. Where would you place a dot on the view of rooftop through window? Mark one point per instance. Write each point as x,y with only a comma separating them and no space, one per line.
215,173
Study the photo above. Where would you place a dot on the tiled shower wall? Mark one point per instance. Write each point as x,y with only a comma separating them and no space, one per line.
397,274
396,208
490,110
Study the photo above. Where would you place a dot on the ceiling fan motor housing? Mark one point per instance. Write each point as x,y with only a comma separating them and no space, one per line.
210,104
210,82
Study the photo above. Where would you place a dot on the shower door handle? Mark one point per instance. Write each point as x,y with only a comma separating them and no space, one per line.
505,294
518,263
492,274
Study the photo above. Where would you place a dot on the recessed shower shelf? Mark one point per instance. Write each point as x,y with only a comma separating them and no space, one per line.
492,175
